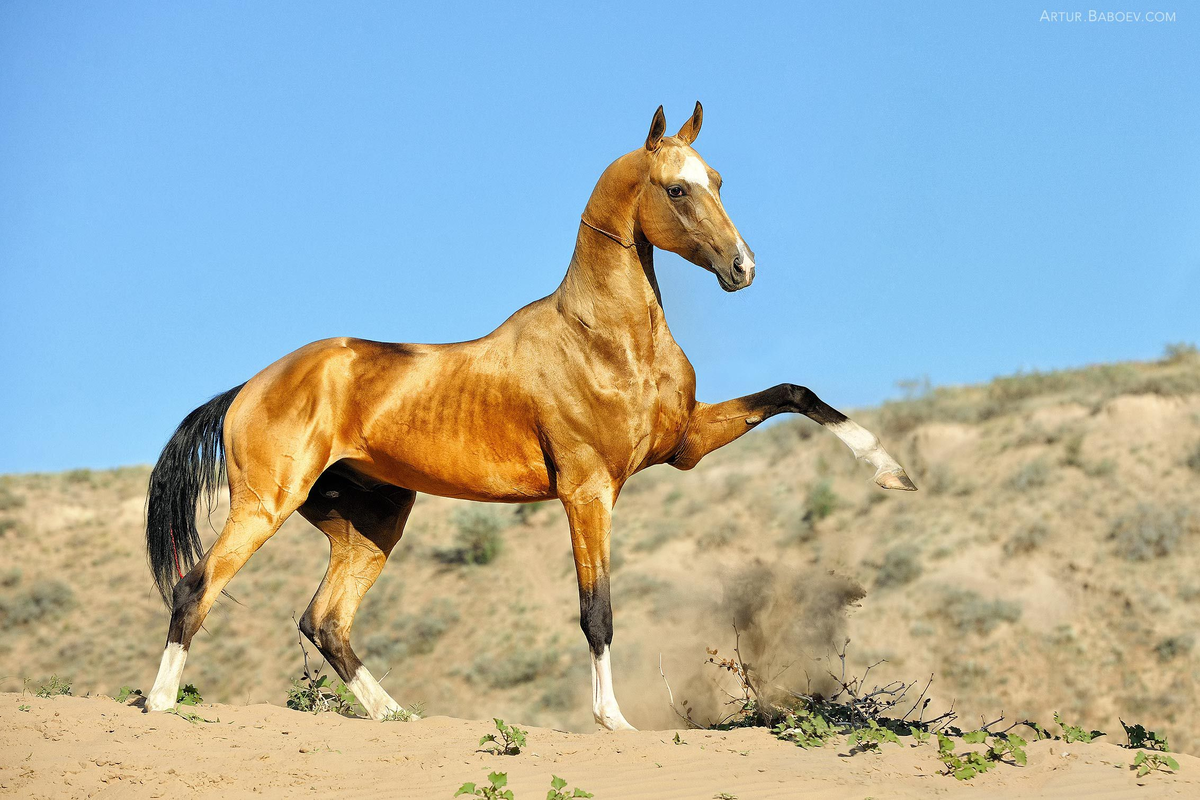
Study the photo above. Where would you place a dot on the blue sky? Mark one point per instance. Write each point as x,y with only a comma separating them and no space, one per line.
190,191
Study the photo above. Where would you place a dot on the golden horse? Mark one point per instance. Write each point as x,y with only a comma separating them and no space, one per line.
567,399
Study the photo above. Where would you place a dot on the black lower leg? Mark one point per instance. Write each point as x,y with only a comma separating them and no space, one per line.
806,402
595,615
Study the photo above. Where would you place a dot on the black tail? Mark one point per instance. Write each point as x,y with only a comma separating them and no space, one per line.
192,462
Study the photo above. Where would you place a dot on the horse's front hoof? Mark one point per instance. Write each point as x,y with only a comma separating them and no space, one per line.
895,480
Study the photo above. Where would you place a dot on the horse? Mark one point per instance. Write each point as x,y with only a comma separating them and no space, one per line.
566,400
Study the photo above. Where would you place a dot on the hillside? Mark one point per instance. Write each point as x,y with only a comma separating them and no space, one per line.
1049,563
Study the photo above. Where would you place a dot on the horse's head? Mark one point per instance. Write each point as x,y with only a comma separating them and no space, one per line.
680,209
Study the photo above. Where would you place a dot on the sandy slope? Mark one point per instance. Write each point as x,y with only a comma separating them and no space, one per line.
93,747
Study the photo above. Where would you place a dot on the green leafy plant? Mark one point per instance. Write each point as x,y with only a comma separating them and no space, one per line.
189,695
493,791
510,742
125,693
22,708
805,728
1074,733
869,739
1141,738
1004,748
54,687
558,790
190,717
317,693
1145,763
920,735
678,740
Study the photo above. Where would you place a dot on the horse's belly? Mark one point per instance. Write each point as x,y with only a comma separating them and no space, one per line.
447,466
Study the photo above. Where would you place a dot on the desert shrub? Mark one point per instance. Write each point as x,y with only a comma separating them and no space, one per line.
54,687
718,535
901,565
1173,646
1100,469
1031,476
8,526
79,477
524,513
1149,532
1178,352
9,499
1193,459
821,501
477,539
43,600
10,577
513,667
509,741
662,533
412,634
1026,540
970,613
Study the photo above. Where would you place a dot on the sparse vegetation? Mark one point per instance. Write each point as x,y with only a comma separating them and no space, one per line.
54,687
10,500
1141,738
189,695
1033,475
317,693
477,539
821,501
42,601
1074,733
901,565
126,692
511,739
559,790
494,790
1145,763
968,612
1026,540
1150,532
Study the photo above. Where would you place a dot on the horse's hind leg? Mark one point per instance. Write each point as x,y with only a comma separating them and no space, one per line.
363,525
254,515
195,594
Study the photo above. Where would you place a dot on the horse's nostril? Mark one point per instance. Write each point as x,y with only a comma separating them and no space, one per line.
737,263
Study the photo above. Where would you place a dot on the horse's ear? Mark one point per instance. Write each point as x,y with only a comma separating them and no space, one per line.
658,126
691,129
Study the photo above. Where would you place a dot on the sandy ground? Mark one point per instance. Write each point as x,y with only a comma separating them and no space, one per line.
93,747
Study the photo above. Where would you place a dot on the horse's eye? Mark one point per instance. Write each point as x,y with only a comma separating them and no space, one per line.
675,191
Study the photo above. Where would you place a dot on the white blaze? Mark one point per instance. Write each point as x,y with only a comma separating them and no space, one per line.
694,172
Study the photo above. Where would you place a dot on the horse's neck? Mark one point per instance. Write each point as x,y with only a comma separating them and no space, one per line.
612,290
610,287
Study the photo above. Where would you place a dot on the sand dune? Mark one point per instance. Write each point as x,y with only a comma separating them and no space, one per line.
94,747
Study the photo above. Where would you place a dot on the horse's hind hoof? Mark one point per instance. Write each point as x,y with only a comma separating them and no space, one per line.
896,480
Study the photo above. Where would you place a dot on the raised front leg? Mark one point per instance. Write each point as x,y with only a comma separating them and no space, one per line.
717,425
589,511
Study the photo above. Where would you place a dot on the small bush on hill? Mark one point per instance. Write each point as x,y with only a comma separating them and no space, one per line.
42,601
1026,540
477,540
969,612
901,565
1150,532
